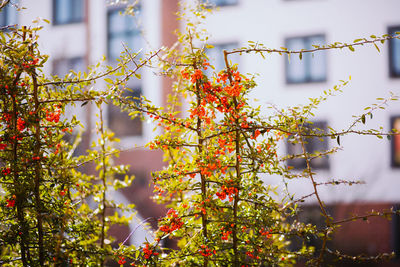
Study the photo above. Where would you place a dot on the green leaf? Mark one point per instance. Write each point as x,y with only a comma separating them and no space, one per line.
363,118
108,80
377,48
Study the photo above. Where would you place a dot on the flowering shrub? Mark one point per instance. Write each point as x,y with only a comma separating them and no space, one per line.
220,151
173,222
213,180
51,213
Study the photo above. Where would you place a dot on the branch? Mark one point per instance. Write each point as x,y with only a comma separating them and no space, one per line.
337,45
4,3
366,216
103,74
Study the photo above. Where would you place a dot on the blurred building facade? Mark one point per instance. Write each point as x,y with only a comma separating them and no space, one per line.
82,31
299,24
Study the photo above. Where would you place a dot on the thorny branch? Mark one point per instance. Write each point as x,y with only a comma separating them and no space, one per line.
316,48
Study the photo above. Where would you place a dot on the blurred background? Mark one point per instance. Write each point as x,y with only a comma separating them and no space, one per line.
81,32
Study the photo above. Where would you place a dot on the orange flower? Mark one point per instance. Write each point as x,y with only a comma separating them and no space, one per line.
256,134
185,74
20,124
10,203
197,75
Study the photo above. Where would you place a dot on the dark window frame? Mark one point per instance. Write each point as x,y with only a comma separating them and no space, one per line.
392,71
137,130
70,61
223,4
394,163
308,78
299,163
114,115
71,18
220,46
131,33
5,17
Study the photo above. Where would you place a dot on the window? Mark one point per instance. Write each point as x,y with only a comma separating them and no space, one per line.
68,11
216,56
394,53
395,124
122,29
312,67
221,2
312,145
8,15
62,66
120,122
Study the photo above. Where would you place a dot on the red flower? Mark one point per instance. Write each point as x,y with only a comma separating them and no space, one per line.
221,195
227,191
256,134
225,235
20,124
233,90
121,260
62,192
53,116
265,232
6,171
197,75
173,222
10,203
205,251
148,252
185,74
